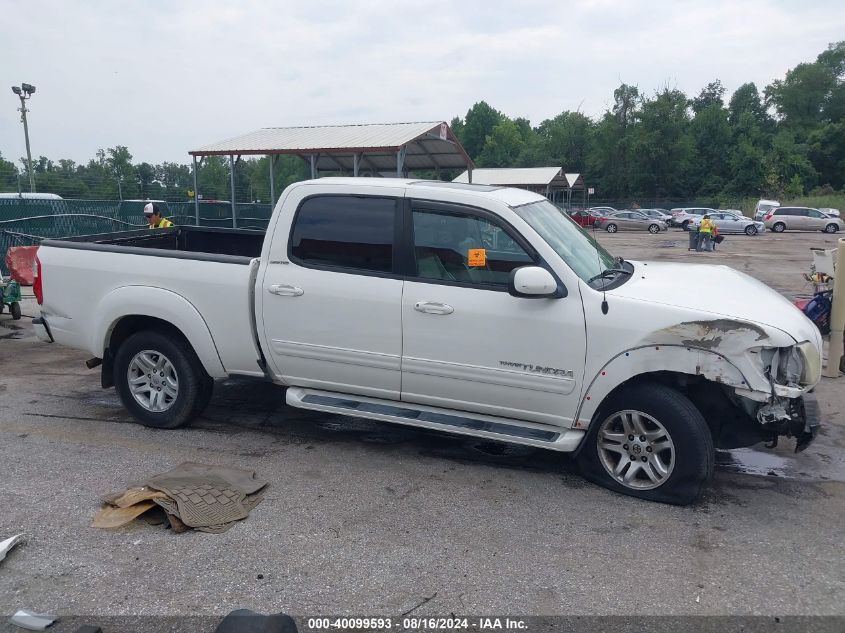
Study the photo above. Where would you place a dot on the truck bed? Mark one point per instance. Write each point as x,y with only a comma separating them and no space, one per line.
213,270
185,242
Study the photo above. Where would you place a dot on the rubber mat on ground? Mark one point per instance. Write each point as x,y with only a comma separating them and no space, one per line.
207,496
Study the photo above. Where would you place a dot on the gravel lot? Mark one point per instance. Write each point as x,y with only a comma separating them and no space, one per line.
370,519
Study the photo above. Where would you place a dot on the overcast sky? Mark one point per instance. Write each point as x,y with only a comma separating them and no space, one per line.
163,77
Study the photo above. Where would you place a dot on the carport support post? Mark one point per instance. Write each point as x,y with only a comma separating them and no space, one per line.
232,183
400,161
355,165
196,195
469,175
272,181
313,167
837,316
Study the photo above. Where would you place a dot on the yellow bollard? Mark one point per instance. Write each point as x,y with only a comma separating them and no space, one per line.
837,316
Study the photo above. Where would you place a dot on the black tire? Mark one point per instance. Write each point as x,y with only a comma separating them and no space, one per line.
778,227
204,397
831,228
193,392
751,230
694,455
653,228
611,228
685,225
15,309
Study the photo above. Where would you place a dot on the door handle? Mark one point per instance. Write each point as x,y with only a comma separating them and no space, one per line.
430,307
285,290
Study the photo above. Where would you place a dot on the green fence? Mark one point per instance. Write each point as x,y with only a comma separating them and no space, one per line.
24,222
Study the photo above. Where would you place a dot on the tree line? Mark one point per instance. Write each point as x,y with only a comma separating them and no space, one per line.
785,140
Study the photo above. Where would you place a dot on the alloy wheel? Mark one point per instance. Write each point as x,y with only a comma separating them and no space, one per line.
152,380
636,450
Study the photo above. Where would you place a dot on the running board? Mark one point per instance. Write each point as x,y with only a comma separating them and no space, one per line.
475,424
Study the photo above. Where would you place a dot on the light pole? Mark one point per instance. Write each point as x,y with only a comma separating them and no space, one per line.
25,91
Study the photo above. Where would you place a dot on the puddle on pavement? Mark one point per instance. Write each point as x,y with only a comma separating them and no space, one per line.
809,467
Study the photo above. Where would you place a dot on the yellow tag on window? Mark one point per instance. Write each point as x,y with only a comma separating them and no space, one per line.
477,257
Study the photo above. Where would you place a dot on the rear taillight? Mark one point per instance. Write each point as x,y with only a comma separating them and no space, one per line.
37,288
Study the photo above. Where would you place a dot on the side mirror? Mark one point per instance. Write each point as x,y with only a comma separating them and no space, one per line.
532,282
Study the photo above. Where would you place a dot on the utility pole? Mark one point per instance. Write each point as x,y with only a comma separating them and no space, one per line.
25,91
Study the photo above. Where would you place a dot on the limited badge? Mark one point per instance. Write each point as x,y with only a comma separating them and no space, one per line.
477,257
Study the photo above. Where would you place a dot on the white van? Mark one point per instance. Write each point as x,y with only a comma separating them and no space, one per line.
763,207
31,196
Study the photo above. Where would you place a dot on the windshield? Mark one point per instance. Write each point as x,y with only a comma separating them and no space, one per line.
574,245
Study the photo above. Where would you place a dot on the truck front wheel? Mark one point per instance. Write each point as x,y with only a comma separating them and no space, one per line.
160,380
650,442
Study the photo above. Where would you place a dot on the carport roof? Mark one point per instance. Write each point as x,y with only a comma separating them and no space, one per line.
427,144
524,177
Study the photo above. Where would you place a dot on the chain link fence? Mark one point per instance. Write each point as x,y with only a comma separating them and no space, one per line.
24,222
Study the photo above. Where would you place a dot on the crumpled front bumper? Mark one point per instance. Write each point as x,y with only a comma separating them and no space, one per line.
796,417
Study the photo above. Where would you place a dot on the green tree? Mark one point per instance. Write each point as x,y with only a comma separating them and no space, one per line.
566,141
710,95
502,146
711,138
747,99
8,176
662,147
826,145
477,126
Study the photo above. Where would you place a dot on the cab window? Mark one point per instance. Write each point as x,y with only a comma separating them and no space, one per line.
345,232
455,247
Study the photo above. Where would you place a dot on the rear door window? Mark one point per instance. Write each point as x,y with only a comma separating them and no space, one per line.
349,232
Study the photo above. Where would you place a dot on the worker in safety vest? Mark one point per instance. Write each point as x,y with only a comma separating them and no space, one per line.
705,232
153,215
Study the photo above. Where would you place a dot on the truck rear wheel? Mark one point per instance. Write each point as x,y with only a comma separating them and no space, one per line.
650,442
160,380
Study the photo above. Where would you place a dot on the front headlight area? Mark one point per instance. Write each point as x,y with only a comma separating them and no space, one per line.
795,366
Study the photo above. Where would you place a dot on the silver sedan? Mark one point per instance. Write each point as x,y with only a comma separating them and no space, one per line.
729,222
630,220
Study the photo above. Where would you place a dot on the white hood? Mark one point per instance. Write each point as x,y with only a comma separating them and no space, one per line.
718,291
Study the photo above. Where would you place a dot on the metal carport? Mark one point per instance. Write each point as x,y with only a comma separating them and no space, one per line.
552,182
371,149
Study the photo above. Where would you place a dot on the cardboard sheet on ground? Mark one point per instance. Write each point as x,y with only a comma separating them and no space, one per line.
113,517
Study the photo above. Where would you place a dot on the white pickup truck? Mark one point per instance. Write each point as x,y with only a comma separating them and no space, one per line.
468,309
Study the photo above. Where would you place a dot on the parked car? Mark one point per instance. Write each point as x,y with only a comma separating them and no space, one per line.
490,315
630,219
584,218
683,216
763,207
801,219
729,222
657,214
834,213
602,210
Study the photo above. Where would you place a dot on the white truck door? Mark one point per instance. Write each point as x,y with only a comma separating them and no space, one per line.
467,343
331,303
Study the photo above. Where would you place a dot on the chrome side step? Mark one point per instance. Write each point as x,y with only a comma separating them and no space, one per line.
475,424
